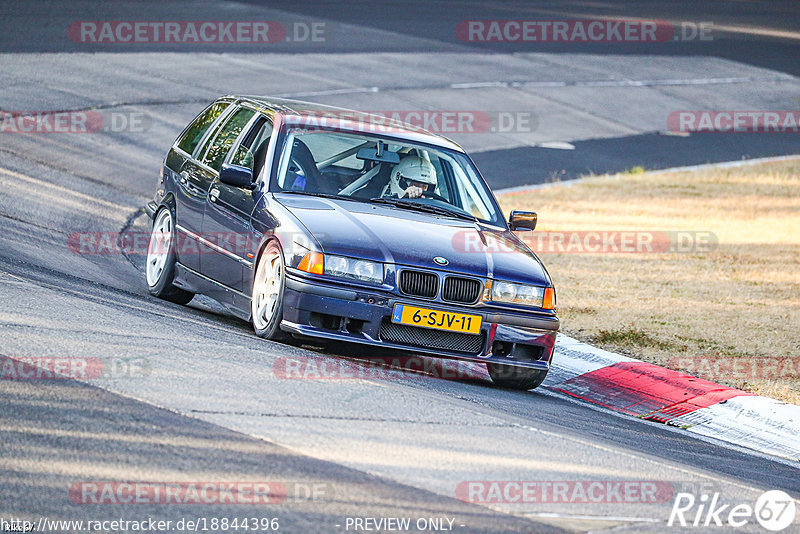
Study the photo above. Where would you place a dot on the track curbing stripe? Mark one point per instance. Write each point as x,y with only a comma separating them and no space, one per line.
661,395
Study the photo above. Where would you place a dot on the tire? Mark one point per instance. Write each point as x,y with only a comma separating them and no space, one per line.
511,377
266,302
160,264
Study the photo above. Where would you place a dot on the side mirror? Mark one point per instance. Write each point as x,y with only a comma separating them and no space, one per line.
236,175
522,220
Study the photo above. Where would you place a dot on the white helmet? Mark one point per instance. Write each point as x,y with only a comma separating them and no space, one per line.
411,169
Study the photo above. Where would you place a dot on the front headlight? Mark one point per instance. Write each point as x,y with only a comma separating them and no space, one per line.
342,267
509,292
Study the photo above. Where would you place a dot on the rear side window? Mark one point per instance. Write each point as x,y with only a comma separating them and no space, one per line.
224,140
198,128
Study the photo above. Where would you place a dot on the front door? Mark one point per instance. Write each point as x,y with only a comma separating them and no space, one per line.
226,220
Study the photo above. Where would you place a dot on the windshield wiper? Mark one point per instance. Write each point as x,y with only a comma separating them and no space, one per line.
427,208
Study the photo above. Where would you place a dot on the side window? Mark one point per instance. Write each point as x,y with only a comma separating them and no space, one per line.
253,146
224,140
243,157
198,128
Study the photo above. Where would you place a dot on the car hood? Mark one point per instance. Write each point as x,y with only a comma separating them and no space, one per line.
404,237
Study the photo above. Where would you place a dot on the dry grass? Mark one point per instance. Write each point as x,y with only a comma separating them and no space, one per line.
739,303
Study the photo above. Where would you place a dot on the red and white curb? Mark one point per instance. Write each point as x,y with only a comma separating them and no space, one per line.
655,393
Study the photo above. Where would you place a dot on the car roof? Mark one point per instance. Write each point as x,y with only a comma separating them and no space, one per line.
347,119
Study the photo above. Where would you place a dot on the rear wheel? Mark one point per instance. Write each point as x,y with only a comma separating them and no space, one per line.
511,377
160,266
266,304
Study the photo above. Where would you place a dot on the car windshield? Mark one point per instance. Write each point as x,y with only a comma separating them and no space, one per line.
368,168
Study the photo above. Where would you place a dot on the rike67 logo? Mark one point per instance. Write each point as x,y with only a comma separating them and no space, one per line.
774,510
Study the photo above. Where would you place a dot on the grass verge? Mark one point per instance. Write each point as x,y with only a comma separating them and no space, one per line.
711,283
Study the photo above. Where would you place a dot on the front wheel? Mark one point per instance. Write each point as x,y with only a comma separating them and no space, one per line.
511,377
266,304
160,266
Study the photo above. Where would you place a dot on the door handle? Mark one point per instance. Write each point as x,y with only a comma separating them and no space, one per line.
214,194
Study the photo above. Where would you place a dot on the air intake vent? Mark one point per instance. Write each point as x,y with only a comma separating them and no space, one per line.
419,284
414,336
464,290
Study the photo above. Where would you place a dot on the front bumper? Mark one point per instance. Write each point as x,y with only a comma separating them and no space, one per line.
364,316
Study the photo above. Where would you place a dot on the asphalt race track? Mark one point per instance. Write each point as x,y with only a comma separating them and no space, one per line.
189,394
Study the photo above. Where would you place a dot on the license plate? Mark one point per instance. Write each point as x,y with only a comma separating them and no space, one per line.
436,319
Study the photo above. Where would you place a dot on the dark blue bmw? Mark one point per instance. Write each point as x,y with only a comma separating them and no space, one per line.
320,222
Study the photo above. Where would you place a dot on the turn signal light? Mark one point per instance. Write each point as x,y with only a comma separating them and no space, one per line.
313,263
549,300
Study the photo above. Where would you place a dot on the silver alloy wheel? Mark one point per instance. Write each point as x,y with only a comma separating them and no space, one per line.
267,288
158,250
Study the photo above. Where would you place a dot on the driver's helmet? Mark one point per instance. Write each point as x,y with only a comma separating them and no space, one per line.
410,169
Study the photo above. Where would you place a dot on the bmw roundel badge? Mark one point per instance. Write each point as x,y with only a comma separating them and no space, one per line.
438,260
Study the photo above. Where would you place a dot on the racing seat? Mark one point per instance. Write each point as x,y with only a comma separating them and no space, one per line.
376,184
312,179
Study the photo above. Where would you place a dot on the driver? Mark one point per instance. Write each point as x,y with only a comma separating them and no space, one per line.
411,178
